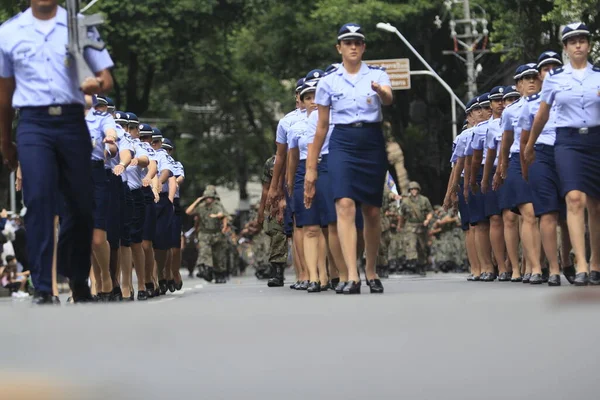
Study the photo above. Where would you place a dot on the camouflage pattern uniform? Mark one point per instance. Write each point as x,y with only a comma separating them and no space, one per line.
396,254
211,241
384,240
414,211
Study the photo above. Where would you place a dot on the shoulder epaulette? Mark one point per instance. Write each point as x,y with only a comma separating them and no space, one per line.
556,71
513,103
533,97
101,113
483,122
331,72
596,68
377,67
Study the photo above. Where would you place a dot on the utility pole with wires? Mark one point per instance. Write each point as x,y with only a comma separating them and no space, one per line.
470,45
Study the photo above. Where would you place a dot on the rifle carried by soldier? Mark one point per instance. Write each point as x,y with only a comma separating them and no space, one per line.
80,29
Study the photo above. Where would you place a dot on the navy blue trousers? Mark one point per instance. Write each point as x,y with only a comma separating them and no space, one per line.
55,153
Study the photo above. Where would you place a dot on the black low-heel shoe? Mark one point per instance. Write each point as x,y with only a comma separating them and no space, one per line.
594,278
582,279
162,285
569,273
545,274
150,290
504,277
303,285
179,285
526,278
519,279
554,280
171,285
314,287
294,285
536,279
325,287
352,287
334,282
476,278
375,286
142,295
339,288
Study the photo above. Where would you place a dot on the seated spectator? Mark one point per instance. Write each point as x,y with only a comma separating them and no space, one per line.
12,280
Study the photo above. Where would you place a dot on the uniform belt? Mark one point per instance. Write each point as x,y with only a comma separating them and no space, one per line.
594,130
54,110
360,125
543,147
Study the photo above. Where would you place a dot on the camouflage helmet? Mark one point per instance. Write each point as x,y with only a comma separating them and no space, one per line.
210,191
414,185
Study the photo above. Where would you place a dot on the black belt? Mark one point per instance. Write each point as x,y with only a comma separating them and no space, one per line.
543,147
594,130
54,110
360,125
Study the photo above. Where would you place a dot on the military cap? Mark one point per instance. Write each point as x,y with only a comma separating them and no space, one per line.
299,84
510,91
548,57
167,144
145,130
483,100
132,119
496,93
111,104
575,29
121,117
529,69
350,31
156,134
471,104
99,100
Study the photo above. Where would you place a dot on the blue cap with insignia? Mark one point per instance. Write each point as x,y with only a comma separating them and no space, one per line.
132,119
145,130
156,134
510,91
528,69
111,104
471,104
121,117
309,86
299,84
548,57
575,29
167,144
483,100
496,93
314,74
99,100
350,31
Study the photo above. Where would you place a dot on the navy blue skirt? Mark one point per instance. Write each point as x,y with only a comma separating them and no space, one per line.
149,230
517,190
176,224
545,184
578,160
101,194
477,205
316,214
492,206
164,218
127,211
138,216
358,163
463,207
115,210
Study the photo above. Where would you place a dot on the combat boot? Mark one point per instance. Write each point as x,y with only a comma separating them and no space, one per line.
277,279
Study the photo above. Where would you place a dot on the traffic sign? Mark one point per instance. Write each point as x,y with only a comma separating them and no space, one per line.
398,69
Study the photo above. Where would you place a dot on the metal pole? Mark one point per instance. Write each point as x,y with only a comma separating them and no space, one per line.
471,86
453,100
13,193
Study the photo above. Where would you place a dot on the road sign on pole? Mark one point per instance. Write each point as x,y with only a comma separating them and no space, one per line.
398,69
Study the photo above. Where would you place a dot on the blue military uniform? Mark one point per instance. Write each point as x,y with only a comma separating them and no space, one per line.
493,136
357,156
177,211
53,145
149,229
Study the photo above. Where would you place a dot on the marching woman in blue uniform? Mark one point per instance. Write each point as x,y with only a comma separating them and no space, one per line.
354,94
548,203
308,220
39,78
574,91
103,135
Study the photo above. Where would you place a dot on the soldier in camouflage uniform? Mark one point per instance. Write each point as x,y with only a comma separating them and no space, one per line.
382,265
396,248
416,213
211,235
278,249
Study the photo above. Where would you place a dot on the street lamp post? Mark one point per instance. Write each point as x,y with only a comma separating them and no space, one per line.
430,71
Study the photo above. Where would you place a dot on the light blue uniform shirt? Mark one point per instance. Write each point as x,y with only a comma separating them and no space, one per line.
298,137
98,123
461,146
530,108
313,119
135,174
179,172
351,97
284,124
478,139
38,62
577,101
493,137
165,162
509,122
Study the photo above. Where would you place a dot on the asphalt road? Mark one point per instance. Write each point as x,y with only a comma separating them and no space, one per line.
432,338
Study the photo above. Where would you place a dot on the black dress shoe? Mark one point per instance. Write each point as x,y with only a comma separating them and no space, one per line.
116,294
483,277
526,278
334,282
504,277
104,297
582,279
375,286
545,274
162,284
339,288
55,300
294,285
132,296
352,287
314,287
594,278
82,294
470,278
142,295
325,287
519,279
179,285
569,273
42,298
554,280
171,286
476,278
150,290
303,285
157,292
536,279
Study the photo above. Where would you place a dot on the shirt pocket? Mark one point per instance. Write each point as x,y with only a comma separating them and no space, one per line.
340,101
369,101
27,59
